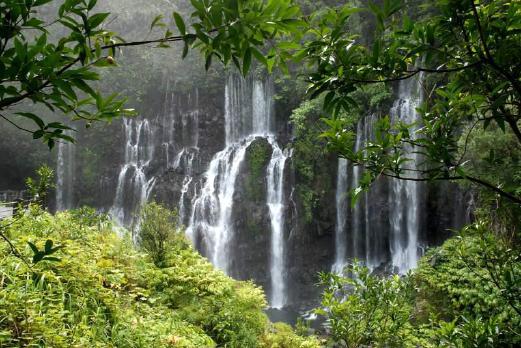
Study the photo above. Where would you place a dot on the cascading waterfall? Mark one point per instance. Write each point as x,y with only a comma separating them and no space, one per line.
366,233
65,169
248,115
275,201
342,207
212,210
133,187
405,195
357,211
248,108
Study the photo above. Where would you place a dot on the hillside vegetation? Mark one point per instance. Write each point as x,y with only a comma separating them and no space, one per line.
98,290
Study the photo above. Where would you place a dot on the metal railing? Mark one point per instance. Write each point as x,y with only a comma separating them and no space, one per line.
12,201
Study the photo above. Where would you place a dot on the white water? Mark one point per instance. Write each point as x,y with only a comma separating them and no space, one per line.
211,212
357,211
405,196
133,186
275,202
248,115
342,207
65,175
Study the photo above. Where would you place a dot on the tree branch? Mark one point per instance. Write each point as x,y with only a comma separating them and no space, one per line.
16,125
9,101
478,181
515,83
412,73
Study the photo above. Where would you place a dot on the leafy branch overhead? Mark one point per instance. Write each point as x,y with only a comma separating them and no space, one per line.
60,74
463,53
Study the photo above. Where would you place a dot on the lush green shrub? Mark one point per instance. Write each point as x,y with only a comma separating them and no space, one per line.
102,292
281,335
466,293
95,296
367,310
471,287
159,231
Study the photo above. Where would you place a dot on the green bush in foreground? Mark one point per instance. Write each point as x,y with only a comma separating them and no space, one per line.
102,292
466,293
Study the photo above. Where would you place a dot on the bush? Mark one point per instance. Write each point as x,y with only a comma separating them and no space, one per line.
365,309
466,293
472,287
102,292
159,232
282,335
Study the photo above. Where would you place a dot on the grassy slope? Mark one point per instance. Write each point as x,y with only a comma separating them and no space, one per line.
104,293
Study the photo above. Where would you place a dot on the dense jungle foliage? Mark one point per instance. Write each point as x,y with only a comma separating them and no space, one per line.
99,290
70,280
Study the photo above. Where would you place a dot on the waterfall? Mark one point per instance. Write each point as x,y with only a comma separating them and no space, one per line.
248,115
275,202
133,187
405,196
357,211
212,210
342,207
65,169
374,233
248,107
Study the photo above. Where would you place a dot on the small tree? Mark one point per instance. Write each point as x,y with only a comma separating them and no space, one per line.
39,188
365,309
159,232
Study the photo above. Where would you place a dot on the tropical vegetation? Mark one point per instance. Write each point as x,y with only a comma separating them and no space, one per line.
70,280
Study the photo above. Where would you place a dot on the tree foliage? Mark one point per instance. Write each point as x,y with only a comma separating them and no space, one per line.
159,232
463,294
463,52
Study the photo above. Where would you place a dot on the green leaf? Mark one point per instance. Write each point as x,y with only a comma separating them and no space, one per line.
208,62
156,22
97,19
48,245
246,61
33,247
180,23
33,117
91,5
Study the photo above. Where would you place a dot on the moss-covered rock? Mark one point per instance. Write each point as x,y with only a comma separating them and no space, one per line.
258,156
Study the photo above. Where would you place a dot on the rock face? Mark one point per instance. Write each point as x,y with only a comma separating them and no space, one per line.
250,217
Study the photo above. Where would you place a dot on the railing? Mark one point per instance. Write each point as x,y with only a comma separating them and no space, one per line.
11,201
